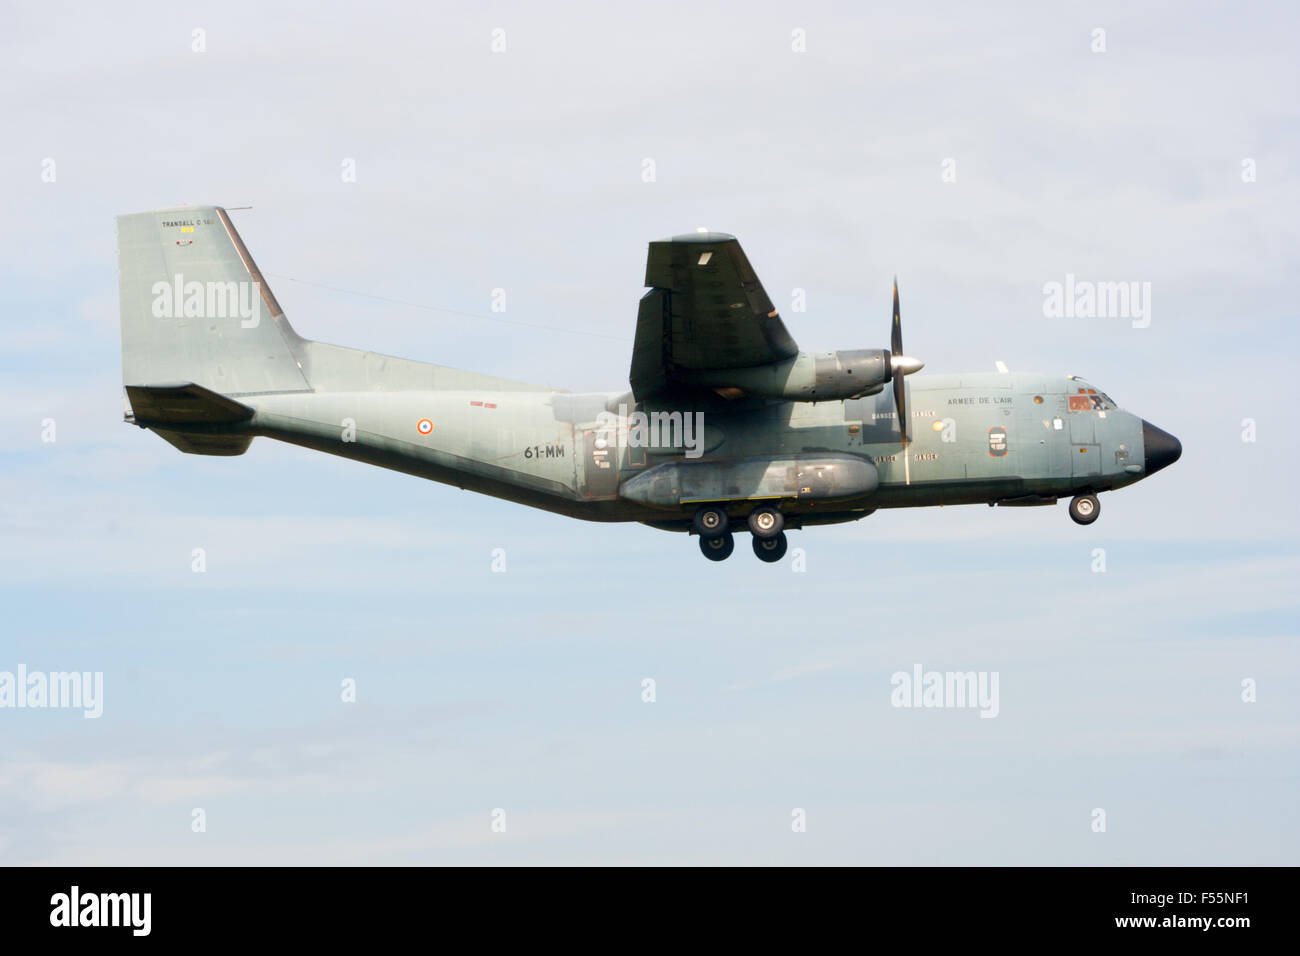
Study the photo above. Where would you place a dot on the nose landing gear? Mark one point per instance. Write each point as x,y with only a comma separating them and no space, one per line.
1085,509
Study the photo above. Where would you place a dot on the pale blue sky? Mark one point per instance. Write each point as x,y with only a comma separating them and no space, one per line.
522,170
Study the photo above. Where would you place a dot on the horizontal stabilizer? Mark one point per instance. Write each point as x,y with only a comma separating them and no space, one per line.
187,404
193,443
192,418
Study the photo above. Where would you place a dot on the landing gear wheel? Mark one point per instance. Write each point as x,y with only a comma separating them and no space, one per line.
710,522
770,550
1084,509
718,547
766,522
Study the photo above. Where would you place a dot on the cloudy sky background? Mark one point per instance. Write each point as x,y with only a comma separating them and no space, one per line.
523,170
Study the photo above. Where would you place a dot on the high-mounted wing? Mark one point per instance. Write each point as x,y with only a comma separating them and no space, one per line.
706,310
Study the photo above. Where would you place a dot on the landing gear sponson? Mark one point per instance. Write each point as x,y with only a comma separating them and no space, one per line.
766,524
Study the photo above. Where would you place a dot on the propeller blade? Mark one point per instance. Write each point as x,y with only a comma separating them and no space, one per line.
900,369
900,403
896,334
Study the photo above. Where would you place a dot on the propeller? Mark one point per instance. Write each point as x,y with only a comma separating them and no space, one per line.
901,365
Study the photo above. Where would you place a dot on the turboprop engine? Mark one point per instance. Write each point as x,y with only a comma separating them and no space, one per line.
813,377
819,376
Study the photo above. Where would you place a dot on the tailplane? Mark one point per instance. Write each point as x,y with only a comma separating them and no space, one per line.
194,419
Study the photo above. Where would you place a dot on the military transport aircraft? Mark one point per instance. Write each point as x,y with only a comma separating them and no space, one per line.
728,425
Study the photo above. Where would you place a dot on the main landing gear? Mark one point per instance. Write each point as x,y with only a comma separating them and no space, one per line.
710,521
766,522
766,526
1085,509
770,550
719,547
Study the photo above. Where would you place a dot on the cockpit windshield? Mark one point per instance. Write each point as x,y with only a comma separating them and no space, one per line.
1087,399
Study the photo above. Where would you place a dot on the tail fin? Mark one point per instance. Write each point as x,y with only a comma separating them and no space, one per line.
195,308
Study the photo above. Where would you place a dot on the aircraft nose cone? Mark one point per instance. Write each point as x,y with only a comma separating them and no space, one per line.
1161,448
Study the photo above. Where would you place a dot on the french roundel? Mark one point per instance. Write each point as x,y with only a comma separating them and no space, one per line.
424,426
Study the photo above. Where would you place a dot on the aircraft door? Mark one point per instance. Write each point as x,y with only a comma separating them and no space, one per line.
1083,421
1085,453
600,461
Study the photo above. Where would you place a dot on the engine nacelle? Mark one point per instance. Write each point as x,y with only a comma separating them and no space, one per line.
807,377
843,375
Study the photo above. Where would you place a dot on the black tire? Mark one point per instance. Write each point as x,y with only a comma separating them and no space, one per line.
766,522
1085,509
710,521
718,547
772,549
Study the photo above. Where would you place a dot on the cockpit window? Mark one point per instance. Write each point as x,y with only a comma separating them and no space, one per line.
1089,399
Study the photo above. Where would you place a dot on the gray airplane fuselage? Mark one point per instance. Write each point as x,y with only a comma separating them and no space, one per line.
727,424
985,437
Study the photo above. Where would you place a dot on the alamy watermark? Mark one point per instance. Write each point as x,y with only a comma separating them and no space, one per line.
946,689
657,429
208,300
128,910
80,690
1085,299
